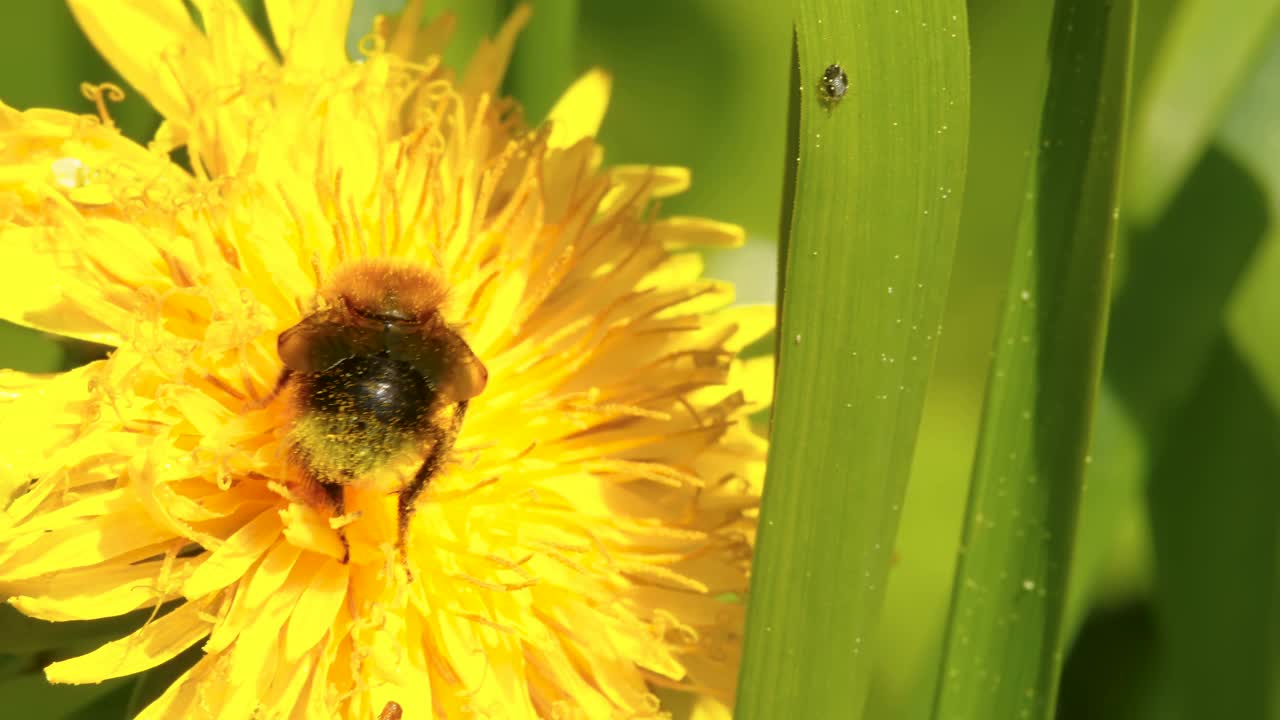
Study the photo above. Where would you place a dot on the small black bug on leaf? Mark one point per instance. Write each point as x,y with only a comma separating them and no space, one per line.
834,84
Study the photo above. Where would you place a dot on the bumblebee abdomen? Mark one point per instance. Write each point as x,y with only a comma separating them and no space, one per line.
375,389
357,414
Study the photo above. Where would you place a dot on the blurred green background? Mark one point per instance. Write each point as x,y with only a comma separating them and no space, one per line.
1176,564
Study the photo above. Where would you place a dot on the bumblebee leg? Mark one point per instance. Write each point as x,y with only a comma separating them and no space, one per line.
285,374
317,493
408,497
441,442
337,503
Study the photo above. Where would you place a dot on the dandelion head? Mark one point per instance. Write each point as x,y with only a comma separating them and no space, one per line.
412,408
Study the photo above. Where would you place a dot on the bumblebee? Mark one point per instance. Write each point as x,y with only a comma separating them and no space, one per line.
373,374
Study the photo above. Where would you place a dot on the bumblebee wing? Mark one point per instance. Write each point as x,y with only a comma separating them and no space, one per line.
444,358
465,377
321,341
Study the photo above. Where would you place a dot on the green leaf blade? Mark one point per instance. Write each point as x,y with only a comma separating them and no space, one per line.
1215,511
1204,56
1166,320
874,219
1004,639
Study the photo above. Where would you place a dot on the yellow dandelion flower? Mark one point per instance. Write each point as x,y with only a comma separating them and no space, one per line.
585,535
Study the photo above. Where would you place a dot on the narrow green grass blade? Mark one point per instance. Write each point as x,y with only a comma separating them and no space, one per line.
1214,501
28,350
1112,671
30,697
1205,53
1252,135
1167,316
1004,639
875,214
1166,329
1009,69
1165,323
1253,318
1215,510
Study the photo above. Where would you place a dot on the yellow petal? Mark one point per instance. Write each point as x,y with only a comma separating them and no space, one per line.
159,640
489,62
269,576
67,267
307,528
149,43
751,322
755,377
38,292
30,527
257,645
187,696
87,292
230,561
89,542
266,580
236,49
60,402
709,708
580,110
311,35
400,31
682,232
290,681
46,153
313,615
663,180
677,271
98,592
406,38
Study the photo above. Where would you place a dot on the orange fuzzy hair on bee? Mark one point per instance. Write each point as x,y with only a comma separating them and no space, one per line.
386,289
